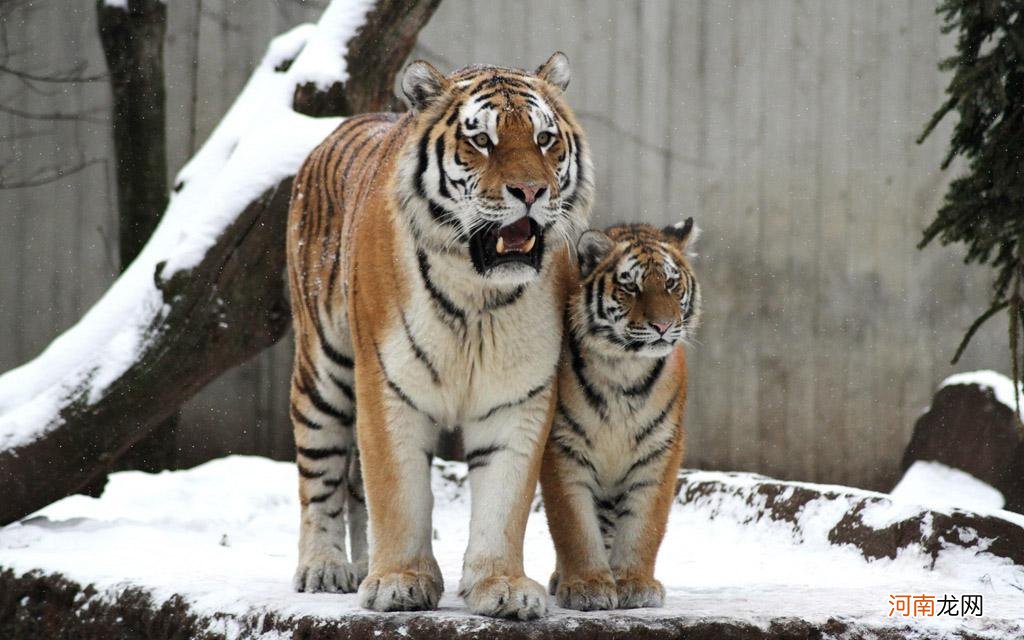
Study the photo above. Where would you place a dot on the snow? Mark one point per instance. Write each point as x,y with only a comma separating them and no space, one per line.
260,142
323,59
224,536
934,484
1001,386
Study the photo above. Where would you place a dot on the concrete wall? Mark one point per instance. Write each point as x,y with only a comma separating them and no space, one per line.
786,128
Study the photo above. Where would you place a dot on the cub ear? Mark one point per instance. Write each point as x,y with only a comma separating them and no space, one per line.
421,84
683,234
556,70
591,249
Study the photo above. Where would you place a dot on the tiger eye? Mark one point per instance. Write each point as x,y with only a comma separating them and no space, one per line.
543,138
482,140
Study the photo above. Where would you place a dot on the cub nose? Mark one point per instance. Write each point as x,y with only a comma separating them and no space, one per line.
526,192
661,327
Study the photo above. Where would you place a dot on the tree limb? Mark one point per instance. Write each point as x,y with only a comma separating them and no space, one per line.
203,317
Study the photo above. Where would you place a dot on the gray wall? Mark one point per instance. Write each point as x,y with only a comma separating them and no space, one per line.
786,128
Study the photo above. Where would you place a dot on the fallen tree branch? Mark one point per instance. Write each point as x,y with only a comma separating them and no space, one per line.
207,291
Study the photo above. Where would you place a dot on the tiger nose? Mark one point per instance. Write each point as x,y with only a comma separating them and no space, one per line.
526,192
661,327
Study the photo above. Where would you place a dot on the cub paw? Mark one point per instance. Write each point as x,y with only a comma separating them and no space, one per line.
333,576
591,593
410,590
507,597
639,592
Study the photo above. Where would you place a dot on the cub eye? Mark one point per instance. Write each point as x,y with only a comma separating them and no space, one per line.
544,138
482,140
629,286
671,283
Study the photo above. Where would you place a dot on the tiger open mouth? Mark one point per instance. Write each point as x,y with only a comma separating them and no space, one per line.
520,242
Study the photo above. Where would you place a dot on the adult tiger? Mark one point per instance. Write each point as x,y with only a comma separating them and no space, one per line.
425,261
610,467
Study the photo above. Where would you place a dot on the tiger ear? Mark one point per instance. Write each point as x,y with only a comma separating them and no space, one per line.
683,234
421,84
591,249
556,70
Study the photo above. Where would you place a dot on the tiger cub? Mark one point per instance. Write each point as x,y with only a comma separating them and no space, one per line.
616,444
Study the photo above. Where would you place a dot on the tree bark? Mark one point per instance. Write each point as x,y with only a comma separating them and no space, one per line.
133,44
216,315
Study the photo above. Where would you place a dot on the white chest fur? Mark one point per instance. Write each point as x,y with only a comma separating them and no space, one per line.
458,351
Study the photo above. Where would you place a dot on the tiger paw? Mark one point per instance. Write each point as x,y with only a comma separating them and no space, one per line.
410,590
507,597
639,592
591,593
331,575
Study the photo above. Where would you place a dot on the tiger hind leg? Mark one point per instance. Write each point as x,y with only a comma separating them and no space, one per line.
323,417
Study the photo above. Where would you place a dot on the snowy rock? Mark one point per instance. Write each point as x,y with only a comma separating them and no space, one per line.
745,557
971,426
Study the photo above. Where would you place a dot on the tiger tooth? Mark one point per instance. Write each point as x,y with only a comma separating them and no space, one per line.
528,247
500,247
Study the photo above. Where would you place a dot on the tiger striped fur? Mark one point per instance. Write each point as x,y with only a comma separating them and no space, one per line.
610,466
427,263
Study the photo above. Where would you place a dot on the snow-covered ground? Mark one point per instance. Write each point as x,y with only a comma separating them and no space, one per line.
223,536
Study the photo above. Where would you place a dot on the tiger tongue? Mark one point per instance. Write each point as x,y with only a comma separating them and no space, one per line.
514,237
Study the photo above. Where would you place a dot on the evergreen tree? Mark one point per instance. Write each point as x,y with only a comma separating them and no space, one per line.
984,208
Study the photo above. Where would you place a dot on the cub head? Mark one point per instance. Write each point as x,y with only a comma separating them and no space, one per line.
638,292
496,168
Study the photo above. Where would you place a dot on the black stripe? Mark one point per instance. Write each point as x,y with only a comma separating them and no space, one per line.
646,460
334,514
304,420
398,391
571,453
504,299
306,473
571,200
320,454
574,426
343,386
354,494
323,496
593,398
475,458
419,353
648,429
442,186
643,388
506,405
325,407
336,356
332,482
440,300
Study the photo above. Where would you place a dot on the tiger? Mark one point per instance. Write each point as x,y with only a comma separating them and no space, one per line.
427,260
609,470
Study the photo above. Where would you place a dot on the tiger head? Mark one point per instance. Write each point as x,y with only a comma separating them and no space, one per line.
638,293
496,169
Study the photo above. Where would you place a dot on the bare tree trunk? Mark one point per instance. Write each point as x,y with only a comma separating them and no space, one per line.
133,44
214,316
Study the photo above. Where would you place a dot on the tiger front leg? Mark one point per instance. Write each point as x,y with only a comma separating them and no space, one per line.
640,527
395,445
503,453
583,578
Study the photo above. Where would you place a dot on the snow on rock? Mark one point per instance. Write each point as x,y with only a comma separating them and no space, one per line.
932,483
744,556
259,143
1001,386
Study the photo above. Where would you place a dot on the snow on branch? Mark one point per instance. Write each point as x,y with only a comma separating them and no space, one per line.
206,292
